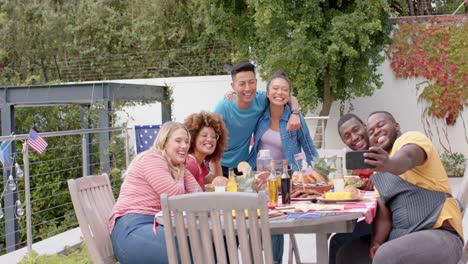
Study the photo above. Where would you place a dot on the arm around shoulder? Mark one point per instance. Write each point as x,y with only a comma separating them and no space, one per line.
294,122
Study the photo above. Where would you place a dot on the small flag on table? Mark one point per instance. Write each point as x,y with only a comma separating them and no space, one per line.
36,142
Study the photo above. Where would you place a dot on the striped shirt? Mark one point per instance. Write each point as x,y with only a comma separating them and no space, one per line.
430,175
149,177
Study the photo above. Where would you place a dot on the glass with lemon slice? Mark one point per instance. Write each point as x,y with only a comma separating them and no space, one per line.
245,182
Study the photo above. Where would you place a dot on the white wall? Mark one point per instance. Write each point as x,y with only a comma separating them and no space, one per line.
399,97
191,94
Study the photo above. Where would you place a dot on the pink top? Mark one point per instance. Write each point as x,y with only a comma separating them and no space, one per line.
147,179
198,171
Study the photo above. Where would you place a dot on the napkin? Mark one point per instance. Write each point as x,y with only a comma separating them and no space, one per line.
307,216
317,207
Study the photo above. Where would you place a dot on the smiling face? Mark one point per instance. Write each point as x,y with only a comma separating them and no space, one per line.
278,92
177,146
205,143
354,134
382,130
245,86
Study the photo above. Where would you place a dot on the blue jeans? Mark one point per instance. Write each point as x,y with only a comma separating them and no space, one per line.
277,244
338,240
133,240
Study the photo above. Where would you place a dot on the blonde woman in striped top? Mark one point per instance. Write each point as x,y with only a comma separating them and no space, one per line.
152,173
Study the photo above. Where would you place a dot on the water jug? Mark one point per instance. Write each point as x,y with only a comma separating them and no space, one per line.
263,160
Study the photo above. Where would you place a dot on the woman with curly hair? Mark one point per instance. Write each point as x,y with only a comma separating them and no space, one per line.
209,136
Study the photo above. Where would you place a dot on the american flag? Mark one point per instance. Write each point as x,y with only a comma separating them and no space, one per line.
145,136
36,142
5,154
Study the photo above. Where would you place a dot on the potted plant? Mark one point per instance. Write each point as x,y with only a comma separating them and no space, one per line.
454,163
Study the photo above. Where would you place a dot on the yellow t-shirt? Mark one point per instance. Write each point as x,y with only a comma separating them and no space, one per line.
431,175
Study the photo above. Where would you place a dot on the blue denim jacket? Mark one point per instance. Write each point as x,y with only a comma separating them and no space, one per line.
292,142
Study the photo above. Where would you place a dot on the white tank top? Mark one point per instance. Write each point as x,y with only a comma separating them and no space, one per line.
272,140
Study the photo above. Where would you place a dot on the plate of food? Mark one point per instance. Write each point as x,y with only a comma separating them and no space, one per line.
304,195
309,198
350,194
345,200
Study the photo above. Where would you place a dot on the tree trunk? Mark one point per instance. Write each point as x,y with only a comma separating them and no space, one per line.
421,7
410,7
328,99
44,71
425,10
57,68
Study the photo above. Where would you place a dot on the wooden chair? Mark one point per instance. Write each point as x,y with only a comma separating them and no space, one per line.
93,200
462,196
206,219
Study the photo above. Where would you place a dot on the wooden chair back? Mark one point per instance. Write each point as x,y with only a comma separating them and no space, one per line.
207,221
93,200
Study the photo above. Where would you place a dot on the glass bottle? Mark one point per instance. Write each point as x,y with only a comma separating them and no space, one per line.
272,185
231,185
263,160
285,184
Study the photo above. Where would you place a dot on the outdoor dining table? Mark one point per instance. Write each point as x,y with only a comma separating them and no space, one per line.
323,223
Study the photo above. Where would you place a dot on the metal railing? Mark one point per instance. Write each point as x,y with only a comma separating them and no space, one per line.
317,129
43,188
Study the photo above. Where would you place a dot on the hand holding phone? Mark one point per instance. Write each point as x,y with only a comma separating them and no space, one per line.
355,160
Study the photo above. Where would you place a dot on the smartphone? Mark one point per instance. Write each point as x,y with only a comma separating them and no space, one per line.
355,160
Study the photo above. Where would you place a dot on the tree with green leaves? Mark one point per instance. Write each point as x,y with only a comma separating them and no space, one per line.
330,49
51,41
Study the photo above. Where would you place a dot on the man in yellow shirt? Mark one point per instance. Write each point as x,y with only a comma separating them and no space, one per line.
418,221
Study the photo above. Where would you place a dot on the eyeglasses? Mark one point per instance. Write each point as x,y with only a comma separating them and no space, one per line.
212,136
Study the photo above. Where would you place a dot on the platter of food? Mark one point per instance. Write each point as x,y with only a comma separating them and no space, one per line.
345,200
304,195
350,194
309,198
309,180
318,187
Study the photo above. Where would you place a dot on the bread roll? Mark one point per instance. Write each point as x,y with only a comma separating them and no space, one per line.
309,179
353,190
296,176
318,177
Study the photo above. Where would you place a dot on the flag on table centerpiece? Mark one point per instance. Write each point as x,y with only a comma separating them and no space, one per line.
145,136
36,142
5,154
